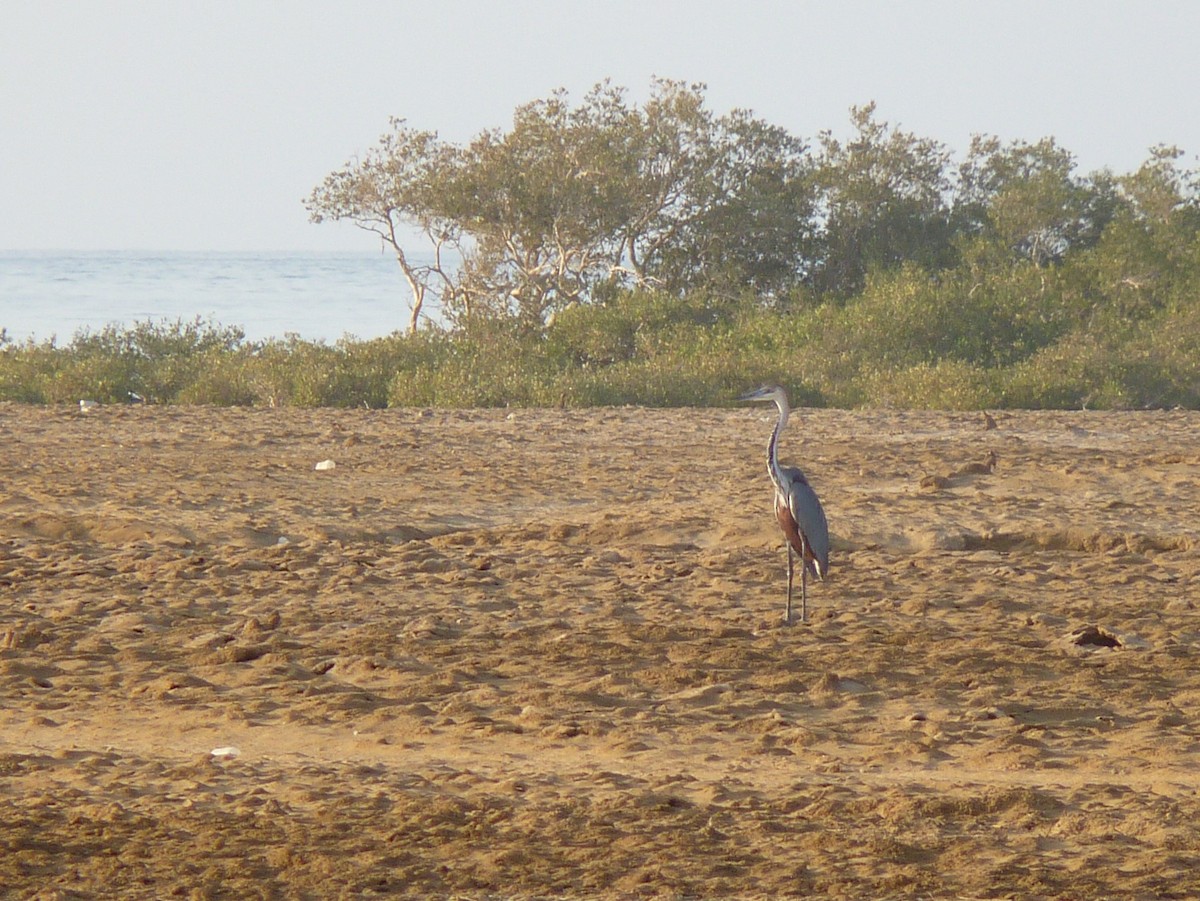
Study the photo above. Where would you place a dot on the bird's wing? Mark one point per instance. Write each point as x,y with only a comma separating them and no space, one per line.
810,517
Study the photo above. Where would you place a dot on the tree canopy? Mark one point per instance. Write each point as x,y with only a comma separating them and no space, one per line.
608,252
575,202
903,270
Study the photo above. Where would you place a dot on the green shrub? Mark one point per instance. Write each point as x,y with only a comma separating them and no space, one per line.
1074,374
637,384
1019,337
632,325
945,385
25,369
222,379
471,373
92,375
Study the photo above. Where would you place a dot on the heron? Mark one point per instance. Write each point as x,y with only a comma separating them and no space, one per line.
797,508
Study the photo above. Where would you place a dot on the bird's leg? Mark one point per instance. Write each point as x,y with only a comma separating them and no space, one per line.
788,616
803,591
803,579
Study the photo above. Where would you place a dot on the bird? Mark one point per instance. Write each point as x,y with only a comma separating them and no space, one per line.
797,508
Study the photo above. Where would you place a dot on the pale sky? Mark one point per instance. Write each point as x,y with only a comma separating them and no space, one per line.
201,124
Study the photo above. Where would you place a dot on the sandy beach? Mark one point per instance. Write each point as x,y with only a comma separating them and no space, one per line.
541,653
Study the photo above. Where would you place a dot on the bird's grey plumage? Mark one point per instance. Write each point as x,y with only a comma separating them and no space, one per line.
810,519
797,508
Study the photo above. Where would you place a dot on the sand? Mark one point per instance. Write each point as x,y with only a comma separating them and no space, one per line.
542,653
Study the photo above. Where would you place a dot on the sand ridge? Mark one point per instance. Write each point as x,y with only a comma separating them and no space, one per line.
541,653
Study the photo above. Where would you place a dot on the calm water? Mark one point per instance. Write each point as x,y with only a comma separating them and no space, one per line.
317,296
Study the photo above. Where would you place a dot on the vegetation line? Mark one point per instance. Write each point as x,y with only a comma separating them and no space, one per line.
610,253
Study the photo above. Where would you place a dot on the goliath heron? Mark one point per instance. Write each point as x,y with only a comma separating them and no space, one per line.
796,508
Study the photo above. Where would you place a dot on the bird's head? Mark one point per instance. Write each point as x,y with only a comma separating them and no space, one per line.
766,393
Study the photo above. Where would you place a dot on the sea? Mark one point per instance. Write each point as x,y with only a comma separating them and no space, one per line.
48,295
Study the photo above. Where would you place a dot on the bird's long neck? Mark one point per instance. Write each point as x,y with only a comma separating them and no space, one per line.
773,447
